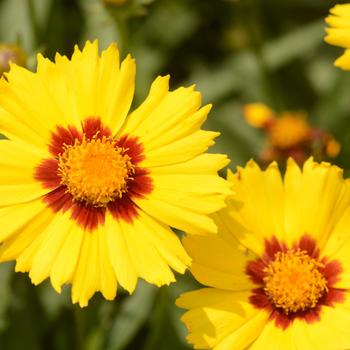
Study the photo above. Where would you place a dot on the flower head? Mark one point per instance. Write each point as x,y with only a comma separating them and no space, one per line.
339,32
88,192
289,134
277,272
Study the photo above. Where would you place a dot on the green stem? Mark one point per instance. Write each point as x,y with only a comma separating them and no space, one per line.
79,328
158,320
121,22
255,28
35,25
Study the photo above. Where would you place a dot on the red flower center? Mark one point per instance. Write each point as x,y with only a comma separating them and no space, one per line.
294,283
95,171
91,172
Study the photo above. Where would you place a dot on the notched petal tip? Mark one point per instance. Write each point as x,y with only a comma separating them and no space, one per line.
252,164
129,59
161,82
273,165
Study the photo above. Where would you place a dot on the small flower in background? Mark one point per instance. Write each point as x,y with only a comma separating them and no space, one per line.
87,192
135,6
115,2
277,271
289,134
11,53
339,32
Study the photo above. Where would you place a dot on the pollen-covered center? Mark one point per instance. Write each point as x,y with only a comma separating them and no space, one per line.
95,171
294,282
288,131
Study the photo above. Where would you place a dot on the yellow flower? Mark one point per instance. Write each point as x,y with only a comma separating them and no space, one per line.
88,193
339,32
277,274
258,115
289,134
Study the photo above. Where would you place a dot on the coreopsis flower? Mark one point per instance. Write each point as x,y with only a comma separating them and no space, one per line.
88,192
338,33
11,53
277,273
289,134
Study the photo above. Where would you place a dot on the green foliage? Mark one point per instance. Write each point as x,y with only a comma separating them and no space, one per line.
236,52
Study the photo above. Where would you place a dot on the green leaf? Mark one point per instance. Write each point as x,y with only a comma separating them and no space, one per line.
16,24
294,44
6,272
242,72
131,316
99,24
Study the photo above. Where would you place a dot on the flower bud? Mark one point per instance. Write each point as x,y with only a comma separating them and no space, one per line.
11,53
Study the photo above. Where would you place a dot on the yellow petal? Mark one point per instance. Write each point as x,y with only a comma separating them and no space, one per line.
108,280
59,81
14,129
293,196
337,248
338,37
122,95
148,263
214,314
174,116
66,260
331,332
327,199
203,194
274,338
217,263
206,163
14,218
176,128
166,242
338,22
344,60
16,194
108,79
27,244
17,168
82,72
119,254
177,217
159,89
181,150
27,100
341,10
254,189
246,334
55,235
23,231
18,162
87,277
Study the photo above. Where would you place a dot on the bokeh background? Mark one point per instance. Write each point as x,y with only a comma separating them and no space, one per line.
236,52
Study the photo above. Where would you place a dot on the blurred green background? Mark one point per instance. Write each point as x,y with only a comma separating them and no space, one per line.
236,52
